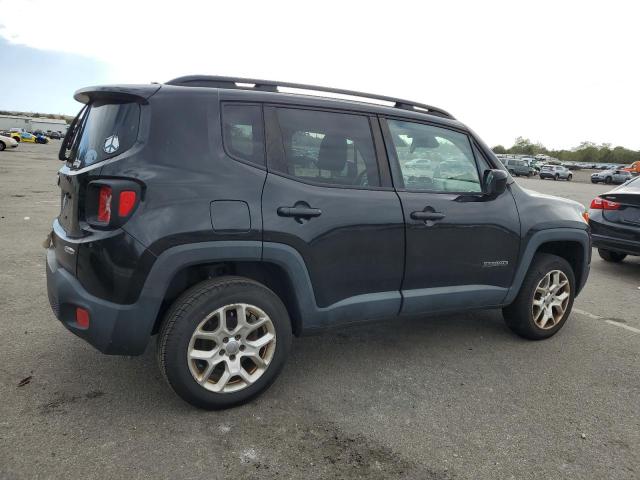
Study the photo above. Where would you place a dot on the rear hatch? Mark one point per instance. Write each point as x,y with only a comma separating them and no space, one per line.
628,196
106,127
102,130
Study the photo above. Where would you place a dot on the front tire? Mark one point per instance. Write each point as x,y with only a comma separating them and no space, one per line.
611,256
2,146
608,180
545,299
556,177
569,178
223,342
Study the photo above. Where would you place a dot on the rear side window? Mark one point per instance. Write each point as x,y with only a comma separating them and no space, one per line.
327,148
104,131
243,133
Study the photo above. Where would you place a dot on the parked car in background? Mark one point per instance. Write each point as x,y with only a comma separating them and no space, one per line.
614,218
7,142
611,176
518,167
572,165
556,172
54,135
634,168
418,164
23,136
40,138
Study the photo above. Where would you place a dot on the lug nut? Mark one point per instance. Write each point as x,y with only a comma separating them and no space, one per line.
221,352
225,339
237,337
242,348
232,357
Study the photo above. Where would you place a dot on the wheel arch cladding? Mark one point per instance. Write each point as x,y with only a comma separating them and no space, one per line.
269,274
572,244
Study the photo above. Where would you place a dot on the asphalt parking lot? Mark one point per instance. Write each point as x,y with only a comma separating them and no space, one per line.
453,397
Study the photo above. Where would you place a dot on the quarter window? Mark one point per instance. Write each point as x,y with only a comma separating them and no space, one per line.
327,148
243,133
434,159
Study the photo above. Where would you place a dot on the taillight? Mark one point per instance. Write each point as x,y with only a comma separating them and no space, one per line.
127,202
104,204
111,202
599,203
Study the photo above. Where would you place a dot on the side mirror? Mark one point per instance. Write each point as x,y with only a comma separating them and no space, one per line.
495,182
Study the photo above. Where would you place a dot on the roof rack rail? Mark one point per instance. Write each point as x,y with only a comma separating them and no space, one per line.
212,81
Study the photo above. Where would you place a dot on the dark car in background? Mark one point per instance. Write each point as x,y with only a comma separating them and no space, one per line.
517,167
614,218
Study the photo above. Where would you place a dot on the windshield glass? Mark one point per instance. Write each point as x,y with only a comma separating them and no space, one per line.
101,131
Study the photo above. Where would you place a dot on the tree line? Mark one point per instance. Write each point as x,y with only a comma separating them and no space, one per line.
56,116
587,152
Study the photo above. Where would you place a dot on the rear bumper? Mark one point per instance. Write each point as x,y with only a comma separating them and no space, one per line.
113,329
616,244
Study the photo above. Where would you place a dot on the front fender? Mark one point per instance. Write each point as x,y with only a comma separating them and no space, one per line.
539,238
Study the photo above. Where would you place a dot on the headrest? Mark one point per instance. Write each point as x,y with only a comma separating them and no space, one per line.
333,153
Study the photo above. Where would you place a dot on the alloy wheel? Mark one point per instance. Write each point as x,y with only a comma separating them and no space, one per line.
231,348
550,299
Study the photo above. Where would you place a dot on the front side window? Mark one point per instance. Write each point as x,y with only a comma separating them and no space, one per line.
243,133
327,148
434,159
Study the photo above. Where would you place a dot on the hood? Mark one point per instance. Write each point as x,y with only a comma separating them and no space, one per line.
566,201
560,203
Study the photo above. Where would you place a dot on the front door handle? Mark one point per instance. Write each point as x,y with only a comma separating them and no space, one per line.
299,212
427,216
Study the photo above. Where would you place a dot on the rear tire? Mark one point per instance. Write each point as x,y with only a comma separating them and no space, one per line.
205,350
611,256
2,146
608,180
556,177
527,315
569,178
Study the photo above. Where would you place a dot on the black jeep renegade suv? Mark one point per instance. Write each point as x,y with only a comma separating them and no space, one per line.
226,217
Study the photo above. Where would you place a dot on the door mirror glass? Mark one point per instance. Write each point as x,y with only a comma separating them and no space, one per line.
495,182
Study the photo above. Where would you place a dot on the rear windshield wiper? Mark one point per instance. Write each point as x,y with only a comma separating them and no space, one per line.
73,134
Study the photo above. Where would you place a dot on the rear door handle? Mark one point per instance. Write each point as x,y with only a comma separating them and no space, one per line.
422,215
299,212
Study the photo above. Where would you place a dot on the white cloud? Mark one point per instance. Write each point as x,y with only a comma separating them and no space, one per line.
557,72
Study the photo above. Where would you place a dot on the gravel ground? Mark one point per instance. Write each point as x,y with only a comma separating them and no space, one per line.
448,397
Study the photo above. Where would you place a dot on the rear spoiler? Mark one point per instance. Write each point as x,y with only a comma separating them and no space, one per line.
130,93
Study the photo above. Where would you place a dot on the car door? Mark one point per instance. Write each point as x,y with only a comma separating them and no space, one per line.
328,197
461,245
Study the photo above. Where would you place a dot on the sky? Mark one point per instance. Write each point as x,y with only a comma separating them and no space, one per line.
557,72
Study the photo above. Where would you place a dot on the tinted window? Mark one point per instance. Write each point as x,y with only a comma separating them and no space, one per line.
242,132
434,159
106,130
331,148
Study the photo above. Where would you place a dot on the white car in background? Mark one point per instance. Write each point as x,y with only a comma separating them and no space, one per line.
7,142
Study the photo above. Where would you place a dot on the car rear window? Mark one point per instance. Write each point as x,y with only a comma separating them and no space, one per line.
101,131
